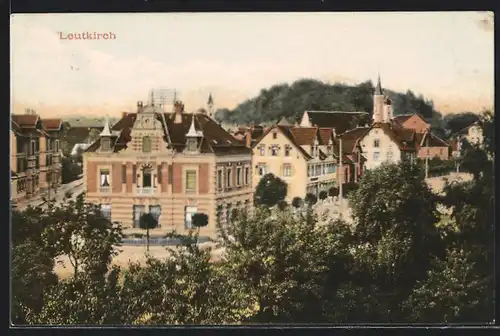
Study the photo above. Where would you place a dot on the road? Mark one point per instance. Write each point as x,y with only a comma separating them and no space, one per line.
75,187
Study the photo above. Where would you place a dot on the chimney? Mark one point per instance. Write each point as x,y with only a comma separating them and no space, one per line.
178,111
139,107
248,138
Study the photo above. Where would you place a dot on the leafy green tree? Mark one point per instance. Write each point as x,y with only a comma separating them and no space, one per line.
453,292
282,260
297,202
200,220
310,199
270,190
333,191
323,195
394,212
147,222
185,288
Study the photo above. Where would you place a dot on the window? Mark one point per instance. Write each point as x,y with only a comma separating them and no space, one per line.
389,156
376,143
158,169
247,175
262,170
32,148
219,179
155,211
138,211
324,169
332,168
312,151
104,177
134,174
317,170
57,145
238,176
49,145
287,169
274,150
191,180
188,215
124,174
376,156
329,149
146,144
105,144
106,211
146,178
309,171
288,150
228,177
262,150
192,145
275,135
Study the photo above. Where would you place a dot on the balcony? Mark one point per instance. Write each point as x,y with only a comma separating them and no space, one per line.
145,190
105,189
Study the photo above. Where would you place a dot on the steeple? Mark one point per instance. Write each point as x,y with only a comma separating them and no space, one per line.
106,132
378,89
210,101
193,133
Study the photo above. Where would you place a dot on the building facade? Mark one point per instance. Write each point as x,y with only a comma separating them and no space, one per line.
35,155
172,165
303,157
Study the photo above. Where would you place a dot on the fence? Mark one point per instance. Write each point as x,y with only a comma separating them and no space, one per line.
157,241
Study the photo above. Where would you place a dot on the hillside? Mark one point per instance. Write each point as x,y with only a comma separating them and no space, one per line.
290,101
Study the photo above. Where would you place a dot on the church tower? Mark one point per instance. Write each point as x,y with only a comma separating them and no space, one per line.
210,105
378,103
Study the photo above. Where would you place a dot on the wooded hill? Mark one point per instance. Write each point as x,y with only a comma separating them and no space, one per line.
290,101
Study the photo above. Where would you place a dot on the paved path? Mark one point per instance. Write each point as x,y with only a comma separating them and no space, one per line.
75,187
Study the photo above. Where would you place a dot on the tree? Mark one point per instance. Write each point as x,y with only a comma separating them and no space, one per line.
69,170
270,190
79,232
310,199
285,263
282,205
297,202
323,195
199,220
333,191
394,213
147,222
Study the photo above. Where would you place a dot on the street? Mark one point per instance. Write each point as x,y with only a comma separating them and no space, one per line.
75,187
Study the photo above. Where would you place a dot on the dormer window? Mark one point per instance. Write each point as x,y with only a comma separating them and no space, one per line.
191,145
146,144
105,144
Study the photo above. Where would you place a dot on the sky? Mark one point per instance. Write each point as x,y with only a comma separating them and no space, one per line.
446,56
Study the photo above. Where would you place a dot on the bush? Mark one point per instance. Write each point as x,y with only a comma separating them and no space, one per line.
333,191
282,205
310,199
323,195
297,202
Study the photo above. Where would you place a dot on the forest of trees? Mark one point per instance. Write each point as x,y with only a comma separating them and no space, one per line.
402,261
290,101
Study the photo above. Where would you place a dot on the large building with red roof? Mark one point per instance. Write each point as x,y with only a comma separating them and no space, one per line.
35,156
171,165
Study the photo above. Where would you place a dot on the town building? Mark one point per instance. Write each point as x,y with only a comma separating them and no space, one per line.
35,156
303,157
338,121
171,165
412,121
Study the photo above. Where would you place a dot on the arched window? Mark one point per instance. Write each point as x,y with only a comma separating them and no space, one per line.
146,144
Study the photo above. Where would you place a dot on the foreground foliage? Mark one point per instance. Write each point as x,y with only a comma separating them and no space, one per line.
400,261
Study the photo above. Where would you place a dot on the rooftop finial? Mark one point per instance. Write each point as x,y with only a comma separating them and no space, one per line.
378,89
106,131
210,101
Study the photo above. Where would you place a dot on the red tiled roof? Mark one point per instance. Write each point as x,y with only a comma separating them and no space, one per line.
25,120
325,135
400,119
430,140
340,121
403,137
215,138
304,136
52,124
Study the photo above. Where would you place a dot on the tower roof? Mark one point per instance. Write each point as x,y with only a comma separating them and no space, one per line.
210,99
192,130
106,131
378,89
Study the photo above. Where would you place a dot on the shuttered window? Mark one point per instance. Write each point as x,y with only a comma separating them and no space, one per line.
158,174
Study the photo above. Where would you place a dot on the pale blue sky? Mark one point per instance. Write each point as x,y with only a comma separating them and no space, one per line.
446,56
